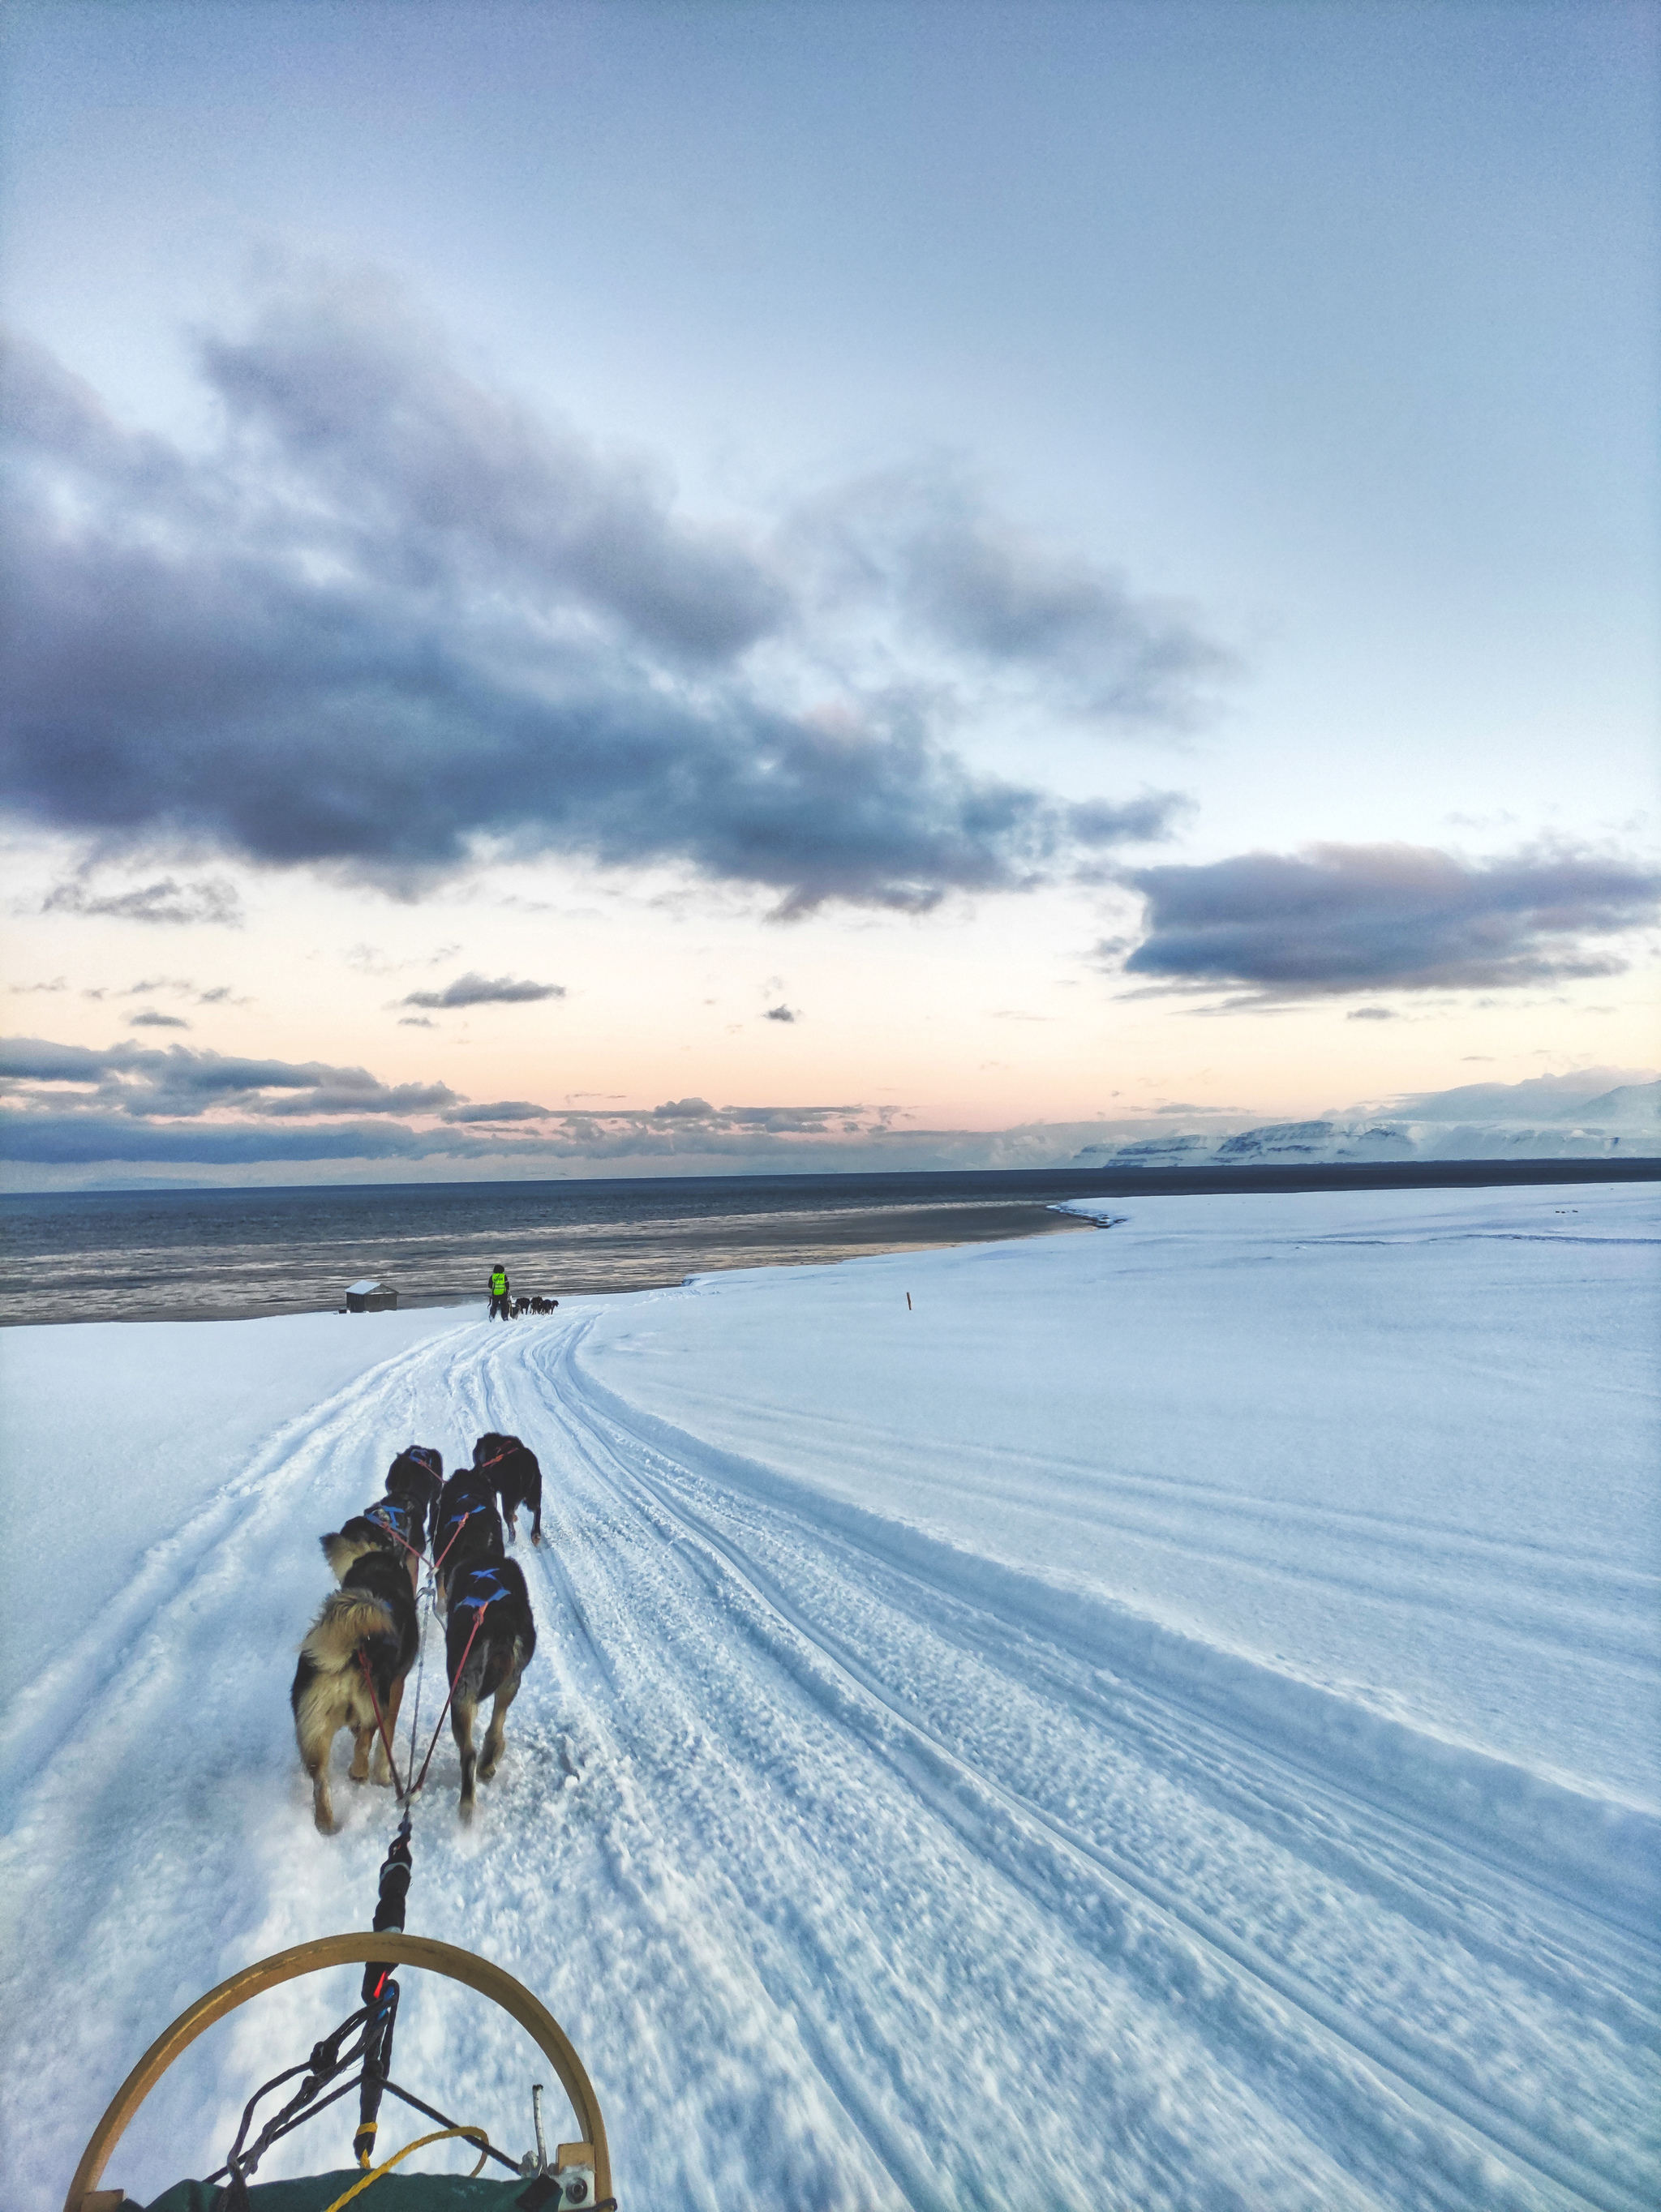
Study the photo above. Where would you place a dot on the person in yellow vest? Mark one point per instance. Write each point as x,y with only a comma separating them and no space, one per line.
500,1302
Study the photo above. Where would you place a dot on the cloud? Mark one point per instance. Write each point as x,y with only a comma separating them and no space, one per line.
1348,918
73,1106
923,546
213,900
1373,1014
178,1081
470,990
394,617
66,1139
347,1091
1545,1098
69,1103
150,1020
781,1014
504,1109
416,1022
27,990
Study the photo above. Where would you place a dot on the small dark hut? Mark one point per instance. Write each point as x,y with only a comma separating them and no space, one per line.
371,1296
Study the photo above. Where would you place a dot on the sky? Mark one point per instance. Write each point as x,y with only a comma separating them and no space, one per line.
622,588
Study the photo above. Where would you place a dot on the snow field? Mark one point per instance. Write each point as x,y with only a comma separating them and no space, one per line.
1168,1721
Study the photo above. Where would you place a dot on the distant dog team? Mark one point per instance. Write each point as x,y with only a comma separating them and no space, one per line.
358,1652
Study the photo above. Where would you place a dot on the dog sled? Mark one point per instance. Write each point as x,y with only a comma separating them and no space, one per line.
366,1637
576,2178
358,2054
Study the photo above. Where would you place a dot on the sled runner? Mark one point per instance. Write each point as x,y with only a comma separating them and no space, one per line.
578,2178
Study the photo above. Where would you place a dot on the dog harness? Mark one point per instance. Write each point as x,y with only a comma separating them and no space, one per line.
495,1588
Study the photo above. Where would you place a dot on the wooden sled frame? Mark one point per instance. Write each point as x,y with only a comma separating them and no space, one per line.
446,1959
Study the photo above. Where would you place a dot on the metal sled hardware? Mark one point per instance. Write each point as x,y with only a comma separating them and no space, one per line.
578,2180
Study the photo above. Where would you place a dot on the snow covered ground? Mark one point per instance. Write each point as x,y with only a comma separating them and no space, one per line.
1171,1719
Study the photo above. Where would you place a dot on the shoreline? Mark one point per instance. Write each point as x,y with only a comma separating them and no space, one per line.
1050,1223
273,1276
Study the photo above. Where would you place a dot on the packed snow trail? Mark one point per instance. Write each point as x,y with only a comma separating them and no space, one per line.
865,1868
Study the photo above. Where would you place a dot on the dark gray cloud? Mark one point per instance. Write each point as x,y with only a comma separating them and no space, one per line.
178,1081
345,1090
1349,918
150,1020
68,1104
470,990
392,614
64,1139
211,899
503,1110
72,1106
450,486
783,1014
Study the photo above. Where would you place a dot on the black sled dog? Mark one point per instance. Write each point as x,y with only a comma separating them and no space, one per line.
466,1529
488,1636
415,1479
365,1637
511,1469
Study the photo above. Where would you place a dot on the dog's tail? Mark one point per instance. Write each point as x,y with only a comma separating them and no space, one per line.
348,1619
343,1548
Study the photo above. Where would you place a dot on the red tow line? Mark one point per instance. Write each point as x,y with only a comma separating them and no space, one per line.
380,1718
433,1746
451,1545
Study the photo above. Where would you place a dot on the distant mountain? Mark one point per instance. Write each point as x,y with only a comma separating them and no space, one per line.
1533,1120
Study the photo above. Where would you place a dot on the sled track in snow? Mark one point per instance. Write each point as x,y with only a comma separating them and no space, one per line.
836,1872
1006,1823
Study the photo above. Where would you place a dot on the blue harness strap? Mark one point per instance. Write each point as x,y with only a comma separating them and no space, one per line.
487,1575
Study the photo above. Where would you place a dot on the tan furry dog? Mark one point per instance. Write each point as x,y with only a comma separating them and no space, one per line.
367,1632
390,1525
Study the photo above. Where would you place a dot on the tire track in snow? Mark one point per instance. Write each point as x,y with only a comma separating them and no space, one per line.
942,1777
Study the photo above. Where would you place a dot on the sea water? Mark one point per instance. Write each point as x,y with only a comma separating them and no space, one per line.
133,1256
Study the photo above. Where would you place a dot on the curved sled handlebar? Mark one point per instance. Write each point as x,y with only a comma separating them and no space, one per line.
388,1948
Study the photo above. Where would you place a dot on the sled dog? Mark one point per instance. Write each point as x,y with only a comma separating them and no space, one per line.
488,1636
390,1525
367,1632
466,1529
510,1468
415,1478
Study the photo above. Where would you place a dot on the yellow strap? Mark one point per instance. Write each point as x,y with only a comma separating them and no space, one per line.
442,2136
